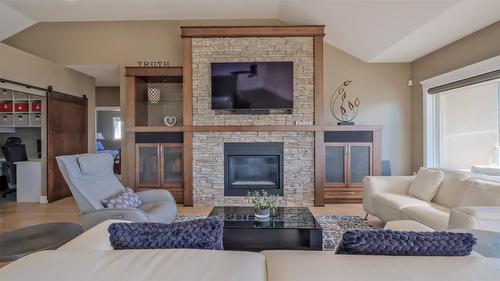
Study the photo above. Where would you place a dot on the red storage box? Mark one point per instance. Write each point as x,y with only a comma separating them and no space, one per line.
6,106
36,107
21,107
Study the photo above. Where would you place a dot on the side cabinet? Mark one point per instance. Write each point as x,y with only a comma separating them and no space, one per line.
160,165
349,157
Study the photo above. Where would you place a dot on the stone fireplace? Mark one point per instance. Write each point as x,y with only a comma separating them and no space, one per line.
253,166
295,183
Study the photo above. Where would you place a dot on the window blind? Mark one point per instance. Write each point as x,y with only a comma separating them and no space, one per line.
495,74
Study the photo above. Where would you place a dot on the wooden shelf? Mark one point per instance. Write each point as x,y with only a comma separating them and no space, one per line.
253,128
155,129
354,128
253,31
153,71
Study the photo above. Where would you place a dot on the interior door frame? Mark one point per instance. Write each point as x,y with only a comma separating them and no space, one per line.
106,108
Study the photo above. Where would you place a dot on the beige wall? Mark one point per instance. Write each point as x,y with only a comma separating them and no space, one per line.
479,46
107,96
381,87
385,99
20,66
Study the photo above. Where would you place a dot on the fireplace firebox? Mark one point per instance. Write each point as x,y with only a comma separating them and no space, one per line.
253,166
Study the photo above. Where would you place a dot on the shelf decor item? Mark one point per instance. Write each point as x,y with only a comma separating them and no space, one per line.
263,203
170,121
343,109
153,95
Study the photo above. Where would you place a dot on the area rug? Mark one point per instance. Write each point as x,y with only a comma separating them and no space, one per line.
333,227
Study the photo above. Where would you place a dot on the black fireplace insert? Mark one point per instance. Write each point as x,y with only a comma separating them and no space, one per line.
253,166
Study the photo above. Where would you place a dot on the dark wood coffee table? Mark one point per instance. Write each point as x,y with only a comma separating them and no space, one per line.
290,228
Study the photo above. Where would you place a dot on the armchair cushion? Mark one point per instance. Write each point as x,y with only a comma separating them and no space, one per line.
125,199
162,211
426,184
197,234
94,164
406,243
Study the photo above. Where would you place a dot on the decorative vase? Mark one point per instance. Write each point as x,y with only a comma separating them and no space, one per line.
153,95
170,121
262,213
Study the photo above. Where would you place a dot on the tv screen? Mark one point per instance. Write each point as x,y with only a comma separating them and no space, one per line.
252,85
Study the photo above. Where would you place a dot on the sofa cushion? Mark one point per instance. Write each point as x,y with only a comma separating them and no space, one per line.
481,193
387,205
159,211
96,238
405,243
426,184
125,199
398,201
327,266
433,215
134,265
451,189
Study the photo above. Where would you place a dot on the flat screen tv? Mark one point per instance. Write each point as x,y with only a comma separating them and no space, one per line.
252,85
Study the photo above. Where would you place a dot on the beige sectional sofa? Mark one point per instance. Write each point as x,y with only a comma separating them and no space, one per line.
463,200
90,257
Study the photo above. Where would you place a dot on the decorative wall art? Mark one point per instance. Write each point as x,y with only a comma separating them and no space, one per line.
343,109
170,121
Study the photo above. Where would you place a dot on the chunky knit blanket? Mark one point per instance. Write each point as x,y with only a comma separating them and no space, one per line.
405,243
196,234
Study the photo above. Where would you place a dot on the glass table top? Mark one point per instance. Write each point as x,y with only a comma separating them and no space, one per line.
285,217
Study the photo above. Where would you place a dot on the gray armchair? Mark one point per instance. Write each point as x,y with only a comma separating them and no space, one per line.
91,179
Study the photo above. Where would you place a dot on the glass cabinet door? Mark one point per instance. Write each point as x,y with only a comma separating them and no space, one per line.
359,163
147,165
172,165
335,164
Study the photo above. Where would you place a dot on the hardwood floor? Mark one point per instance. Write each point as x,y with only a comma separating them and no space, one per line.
16,215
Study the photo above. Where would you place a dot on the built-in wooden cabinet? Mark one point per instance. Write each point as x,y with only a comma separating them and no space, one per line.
160,165
154,120
349,157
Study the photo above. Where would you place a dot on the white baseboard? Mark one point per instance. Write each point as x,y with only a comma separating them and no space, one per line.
43,200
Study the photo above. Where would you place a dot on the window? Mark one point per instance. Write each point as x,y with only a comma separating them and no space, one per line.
117,128
463,126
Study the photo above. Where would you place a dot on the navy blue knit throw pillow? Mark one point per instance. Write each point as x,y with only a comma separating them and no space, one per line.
405,243
196,234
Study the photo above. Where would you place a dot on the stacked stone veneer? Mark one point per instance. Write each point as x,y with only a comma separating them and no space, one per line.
208,148
208,166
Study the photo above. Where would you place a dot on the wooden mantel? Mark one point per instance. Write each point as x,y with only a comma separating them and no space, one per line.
253,31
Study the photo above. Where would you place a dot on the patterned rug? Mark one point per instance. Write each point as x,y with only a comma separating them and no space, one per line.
333,227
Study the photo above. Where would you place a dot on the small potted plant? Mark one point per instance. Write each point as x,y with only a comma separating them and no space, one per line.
263,203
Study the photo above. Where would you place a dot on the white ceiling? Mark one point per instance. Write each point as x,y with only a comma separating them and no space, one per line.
372,30
105,75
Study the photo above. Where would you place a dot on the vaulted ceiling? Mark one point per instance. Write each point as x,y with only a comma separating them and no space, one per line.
373,31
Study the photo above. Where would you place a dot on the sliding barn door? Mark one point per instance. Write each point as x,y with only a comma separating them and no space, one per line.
66,135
